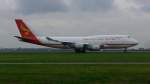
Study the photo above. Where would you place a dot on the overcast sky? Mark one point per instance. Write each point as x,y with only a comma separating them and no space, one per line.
75,18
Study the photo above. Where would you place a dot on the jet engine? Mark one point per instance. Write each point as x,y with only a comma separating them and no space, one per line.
94,47
79,46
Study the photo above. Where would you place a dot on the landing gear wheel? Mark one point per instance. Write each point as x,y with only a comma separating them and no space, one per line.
80,50
125,50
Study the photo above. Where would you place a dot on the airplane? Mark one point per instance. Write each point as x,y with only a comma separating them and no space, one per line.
79,44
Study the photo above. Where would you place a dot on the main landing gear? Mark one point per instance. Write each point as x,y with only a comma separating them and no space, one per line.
81,50
125,50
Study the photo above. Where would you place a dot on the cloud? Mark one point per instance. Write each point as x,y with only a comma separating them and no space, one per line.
40,6
145,5
93,5
45,6
7,5
75,18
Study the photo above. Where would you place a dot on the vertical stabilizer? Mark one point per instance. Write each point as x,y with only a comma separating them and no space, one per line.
26,32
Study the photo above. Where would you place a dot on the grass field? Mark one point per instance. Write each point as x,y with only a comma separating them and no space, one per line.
74,57
74,74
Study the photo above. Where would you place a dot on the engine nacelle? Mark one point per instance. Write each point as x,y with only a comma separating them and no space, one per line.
94,47
79,46
87,47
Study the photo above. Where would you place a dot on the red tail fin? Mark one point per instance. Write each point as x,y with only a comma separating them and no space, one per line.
26,32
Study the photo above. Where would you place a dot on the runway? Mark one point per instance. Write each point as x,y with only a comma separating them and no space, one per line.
77,63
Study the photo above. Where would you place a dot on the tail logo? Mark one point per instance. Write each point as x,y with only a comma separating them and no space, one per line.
25,30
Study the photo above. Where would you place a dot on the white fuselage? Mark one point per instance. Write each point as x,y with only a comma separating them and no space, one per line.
93,42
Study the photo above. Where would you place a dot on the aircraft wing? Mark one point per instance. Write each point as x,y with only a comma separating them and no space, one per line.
70,44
